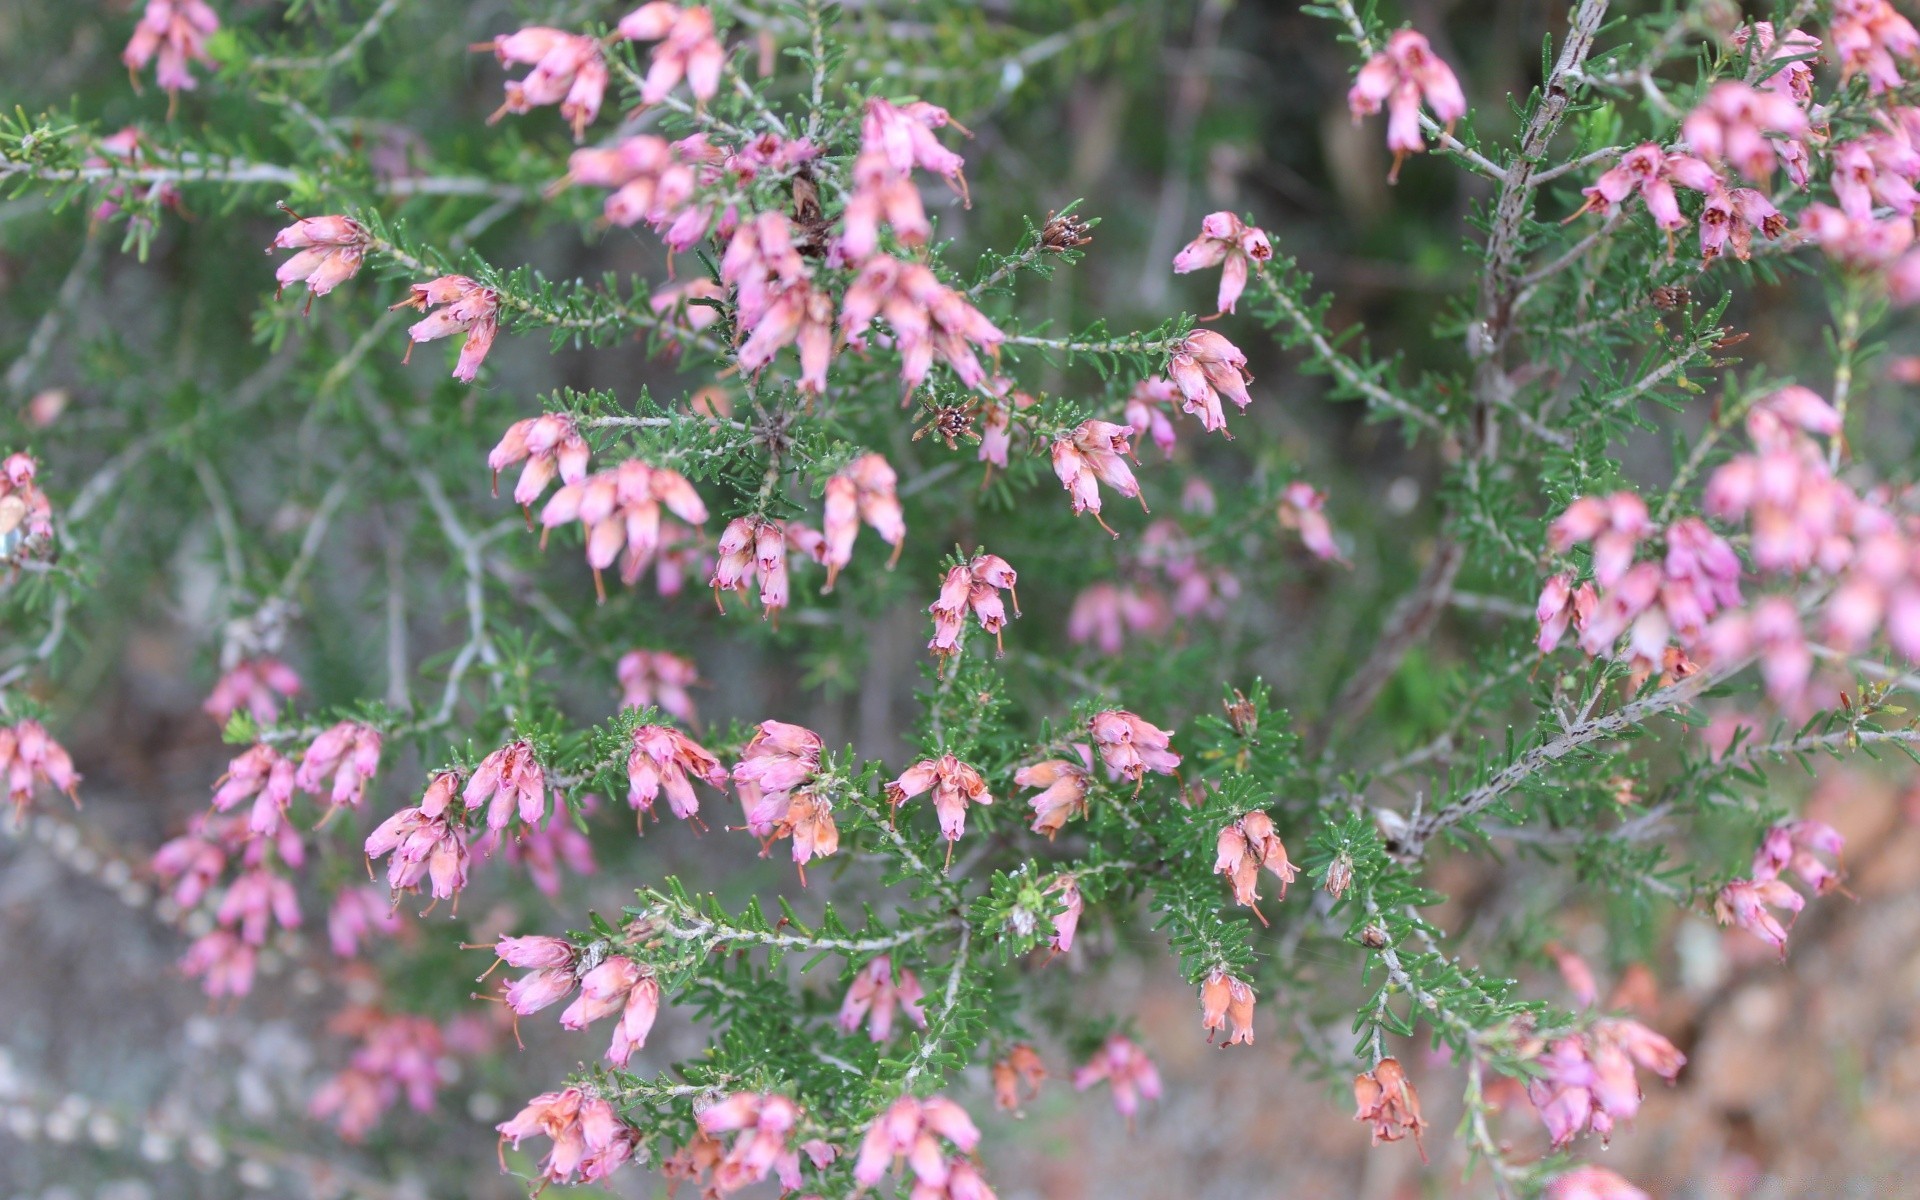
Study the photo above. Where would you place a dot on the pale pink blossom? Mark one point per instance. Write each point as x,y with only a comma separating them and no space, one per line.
1735,124
778,758
654,182
398,1055
222,962
904,135
550,445
261,775
864,491
462,306
1205,367
658,677
590,1141
1146,411
1856,242
954,785
753,549
1303,508
765,1122
30,756
255,901
1227,1003
622,512
1586,1081
425,843
927,320
355,916
1575,972
569,69
508,782
617,985
1651,173
1400,75
798,314
330,253
686,48
1066,922
1104,614
1729,219
1063,793
1872,39
881,195
1805,848
1095,453
192,863
1792,79
1125,1068
1384,1098
1131,747
1243,848
176,32
874,997
972,586
910,1130
253,684
661,760
546,851
1231,244
349,753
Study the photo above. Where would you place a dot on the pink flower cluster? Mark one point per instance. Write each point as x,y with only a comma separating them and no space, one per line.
1205,367
893,142
1384,1098
1651,173
658,677
463,306
1586,1080
975,584
661,760
398,1054
1227,1003
1243,849
349,754
927,319
1651,603
590,1141
753,549
1124,1067
911,1129
1871,38
1739,125
620,509
773,778
508,782
1093,454
874,997
1231,244
1131,747
611,985
570,69
426,842
29,756
1303,508
954,785
331,250
1798,846
256,685
765,1122
1063,785
1066,922
862,492
176,32
1400,75
550,444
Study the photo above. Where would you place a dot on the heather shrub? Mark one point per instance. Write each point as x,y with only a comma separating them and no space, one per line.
711,533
